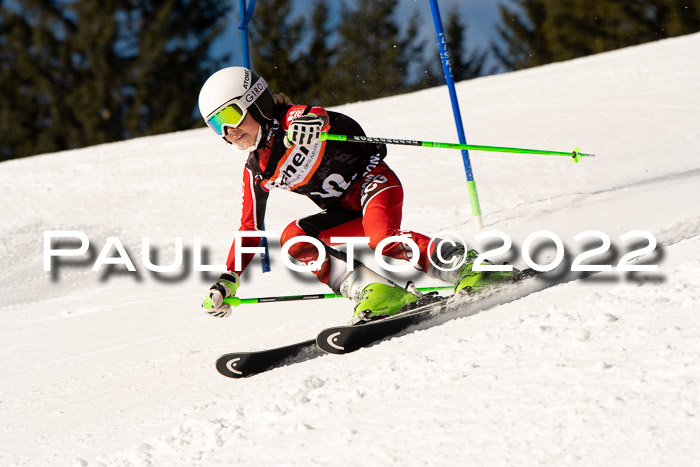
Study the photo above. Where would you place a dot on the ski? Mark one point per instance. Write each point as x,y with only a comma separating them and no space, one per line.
244,364
348,338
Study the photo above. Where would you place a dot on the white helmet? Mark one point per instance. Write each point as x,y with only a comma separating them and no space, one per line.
235,82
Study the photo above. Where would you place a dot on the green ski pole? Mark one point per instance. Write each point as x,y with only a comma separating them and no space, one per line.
576,154
235,301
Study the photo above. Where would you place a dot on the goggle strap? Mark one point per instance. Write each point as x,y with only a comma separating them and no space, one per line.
246,99
253,93
244,102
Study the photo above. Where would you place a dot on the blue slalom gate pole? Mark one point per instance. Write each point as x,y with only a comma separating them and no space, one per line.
449,79
246,15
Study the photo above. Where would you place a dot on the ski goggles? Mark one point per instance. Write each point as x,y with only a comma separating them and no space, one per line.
234,111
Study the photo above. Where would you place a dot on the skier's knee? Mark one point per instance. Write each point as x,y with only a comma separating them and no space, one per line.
291,231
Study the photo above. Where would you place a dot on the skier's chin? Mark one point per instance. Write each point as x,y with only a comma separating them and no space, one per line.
248,142
240,146
244,144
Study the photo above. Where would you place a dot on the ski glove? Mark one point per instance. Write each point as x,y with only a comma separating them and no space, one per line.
304,130
225,287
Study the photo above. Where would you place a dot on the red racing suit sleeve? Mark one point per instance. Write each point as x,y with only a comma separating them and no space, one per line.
252,218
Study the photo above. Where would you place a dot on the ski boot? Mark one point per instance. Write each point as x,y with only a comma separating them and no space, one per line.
469,281
379,300
376,297
466,280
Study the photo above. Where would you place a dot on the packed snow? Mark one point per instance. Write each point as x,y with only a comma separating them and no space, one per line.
117,368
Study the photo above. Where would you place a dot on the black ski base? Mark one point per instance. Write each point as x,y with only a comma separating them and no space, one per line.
244,364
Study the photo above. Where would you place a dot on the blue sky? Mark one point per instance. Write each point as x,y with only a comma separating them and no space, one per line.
480,16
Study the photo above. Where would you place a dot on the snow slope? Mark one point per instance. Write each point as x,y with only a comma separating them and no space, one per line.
117,368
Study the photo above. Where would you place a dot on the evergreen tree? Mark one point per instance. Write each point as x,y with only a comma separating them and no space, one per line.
525,39
683,17
366,56
172,63
298,53
93,97
373,57
317,59
31,77
665,18
466,64
276,39
77,73
536,32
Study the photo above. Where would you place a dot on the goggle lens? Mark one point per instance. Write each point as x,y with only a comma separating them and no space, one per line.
232,115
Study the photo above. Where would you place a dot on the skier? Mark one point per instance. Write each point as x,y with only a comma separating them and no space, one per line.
360,196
